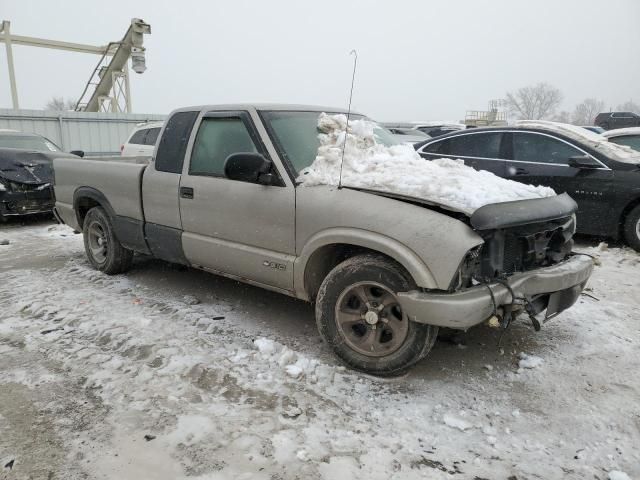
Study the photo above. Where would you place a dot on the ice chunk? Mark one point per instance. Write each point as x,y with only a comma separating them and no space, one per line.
265,346
618,475
293,370
529,361
455,422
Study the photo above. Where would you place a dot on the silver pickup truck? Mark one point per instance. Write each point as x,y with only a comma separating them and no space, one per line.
385,271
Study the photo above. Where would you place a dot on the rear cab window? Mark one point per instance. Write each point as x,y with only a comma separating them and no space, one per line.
173,142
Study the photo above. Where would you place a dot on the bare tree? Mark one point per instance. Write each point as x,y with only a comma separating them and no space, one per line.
585,112
534,102
59,104
562,117
629,106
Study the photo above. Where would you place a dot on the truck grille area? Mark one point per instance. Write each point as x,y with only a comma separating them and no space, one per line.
519,249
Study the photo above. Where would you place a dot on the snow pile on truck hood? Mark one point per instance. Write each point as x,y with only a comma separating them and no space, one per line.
398,169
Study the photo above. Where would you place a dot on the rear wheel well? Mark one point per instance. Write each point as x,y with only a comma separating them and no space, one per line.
83,205
326,258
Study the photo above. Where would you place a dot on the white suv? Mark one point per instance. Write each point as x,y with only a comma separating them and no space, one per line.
142,140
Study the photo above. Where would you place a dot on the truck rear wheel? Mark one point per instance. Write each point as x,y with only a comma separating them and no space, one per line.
103,249
358,315
632,228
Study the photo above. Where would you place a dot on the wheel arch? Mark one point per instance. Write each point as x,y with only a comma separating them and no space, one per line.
86,198
327,249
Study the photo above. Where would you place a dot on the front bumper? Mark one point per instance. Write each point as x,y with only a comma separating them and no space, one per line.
25,203
558,286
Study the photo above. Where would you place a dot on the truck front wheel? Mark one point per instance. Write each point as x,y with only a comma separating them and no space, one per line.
103,249
358,315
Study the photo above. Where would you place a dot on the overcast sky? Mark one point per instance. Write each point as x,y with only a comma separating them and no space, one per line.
417,59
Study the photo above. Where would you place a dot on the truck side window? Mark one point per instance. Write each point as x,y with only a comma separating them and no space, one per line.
219,137
173,143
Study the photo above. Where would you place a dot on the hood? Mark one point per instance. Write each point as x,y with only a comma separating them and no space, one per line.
499,215
27,166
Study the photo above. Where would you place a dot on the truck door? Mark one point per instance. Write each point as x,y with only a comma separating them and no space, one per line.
160,189
241,229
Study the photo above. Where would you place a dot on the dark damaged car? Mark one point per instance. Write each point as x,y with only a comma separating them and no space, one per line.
26,174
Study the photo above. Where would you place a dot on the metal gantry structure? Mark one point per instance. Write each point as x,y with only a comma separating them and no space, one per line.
108,87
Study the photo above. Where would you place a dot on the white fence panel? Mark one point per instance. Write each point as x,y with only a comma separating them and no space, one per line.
95,133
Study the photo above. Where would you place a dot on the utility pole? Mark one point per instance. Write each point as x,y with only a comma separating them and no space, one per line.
12,75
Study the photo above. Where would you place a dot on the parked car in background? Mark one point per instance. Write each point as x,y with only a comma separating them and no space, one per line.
26,173
603,178
142,140
408,135
432,128
384,271
625,136
594,129
611,120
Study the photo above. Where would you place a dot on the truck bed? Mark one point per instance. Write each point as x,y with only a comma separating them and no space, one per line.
119,179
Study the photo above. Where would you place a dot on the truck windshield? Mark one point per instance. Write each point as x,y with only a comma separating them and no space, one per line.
28,142
296,135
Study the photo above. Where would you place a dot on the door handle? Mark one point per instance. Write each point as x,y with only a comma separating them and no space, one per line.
186,192
522,171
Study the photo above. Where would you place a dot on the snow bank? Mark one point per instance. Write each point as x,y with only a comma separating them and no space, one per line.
597,141
399,169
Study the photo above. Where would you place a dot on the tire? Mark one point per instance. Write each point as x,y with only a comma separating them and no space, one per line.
386,342
103,249
631,228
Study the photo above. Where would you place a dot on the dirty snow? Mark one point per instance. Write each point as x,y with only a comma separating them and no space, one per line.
595,140
529,361
399,169
125,357
618,475
456,422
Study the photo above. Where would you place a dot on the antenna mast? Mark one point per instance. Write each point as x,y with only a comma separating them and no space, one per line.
346,129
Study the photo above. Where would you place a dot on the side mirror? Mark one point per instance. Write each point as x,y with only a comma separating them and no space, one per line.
583,161
249,167
78,153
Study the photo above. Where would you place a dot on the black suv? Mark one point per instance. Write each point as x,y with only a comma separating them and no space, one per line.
611,120
603,178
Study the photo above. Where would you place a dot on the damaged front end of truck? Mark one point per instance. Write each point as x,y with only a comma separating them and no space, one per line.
525,265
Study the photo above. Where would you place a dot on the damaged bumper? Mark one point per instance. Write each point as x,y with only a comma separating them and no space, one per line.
26,202
555,288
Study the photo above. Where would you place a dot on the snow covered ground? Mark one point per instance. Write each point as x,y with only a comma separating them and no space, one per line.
169,373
